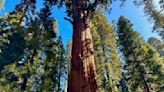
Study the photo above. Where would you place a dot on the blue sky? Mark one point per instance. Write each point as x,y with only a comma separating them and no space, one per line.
135,15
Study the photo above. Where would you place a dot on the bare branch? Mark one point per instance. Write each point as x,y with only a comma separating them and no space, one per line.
68,20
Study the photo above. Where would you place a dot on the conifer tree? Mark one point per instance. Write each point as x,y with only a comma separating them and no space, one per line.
107,61
154,14
144,64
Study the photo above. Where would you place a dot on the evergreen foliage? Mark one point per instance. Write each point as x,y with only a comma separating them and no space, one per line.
107,61
32,57
144,66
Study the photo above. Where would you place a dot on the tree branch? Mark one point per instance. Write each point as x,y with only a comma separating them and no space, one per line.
18,25
68,20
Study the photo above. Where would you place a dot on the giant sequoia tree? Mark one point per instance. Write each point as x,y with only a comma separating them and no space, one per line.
82,63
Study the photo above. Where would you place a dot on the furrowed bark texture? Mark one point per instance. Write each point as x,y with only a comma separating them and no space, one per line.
82,72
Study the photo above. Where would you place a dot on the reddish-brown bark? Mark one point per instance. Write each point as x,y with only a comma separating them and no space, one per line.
82,72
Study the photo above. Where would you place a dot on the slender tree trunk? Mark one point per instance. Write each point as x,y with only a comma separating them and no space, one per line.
107,68
25,77
146,87
23,85
82,72
59,76
123,84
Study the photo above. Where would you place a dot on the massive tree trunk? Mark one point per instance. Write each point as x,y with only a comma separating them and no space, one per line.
82,72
